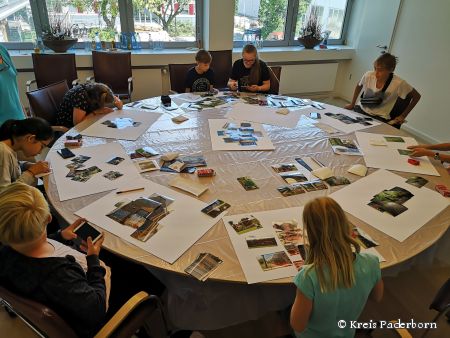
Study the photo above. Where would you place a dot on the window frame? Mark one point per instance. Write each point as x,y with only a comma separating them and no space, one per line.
290,28
126,15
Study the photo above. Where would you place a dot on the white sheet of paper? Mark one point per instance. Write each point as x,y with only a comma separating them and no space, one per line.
188,185
145,117
265,115
388,157
249,257
176,234
346,128
263,142
422,207
100,154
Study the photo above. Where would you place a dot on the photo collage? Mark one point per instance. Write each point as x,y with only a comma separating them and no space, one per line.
391,201
121,123
291,237
142,214
350,120
243,135
78,172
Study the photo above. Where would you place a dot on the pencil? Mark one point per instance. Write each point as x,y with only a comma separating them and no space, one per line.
130,190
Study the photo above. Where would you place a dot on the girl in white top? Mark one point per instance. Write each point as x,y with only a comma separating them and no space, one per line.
29,136
373,82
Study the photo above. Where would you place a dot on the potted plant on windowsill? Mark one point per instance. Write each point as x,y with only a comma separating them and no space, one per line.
59,37
310,34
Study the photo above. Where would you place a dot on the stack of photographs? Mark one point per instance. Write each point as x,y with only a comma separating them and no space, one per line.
344,146
142,214
209,102
203,266
188,164
350,120
417,181
391,201
291,237
243,135
298,182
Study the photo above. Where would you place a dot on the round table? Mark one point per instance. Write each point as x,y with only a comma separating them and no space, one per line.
217,302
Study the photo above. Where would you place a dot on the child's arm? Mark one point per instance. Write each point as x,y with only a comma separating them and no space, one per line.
264,88
413,98
377,292
118,103
78,115
356,92
300,312
440,146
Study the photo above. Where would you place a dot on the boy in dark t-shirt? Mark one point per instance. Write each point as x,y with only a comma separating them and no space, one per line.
200,78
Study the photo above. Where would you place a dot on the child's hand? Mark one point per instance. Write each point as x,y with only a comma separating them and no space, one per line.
118,103
40,167
419,152
68,233
94,248
233,85
349,106
253,88
397,120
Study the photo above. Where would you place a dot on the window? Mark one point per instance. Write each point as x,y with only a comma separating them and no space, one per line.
256,20
278,22
168,21
16,21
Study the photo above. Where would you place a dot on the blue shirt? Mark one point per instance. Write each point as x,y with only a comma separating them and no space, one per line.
10,107
341,304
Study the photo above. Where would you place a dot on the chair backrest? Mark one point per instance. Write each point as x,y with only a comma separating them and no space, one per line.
45,101
221,65
177,74
112,69
442,299
51,68
37,316
275,77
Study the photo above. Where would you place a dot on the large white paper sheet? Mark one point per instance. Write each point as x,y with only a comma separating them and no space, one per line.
249,257
180,229
335,123
388,157
265,115
145,118
99,155
422,207
263,142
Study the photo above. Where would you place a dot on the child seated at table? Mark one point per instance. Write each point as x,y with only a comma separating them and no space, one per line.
201,77
337,279
29,136
385,96
83,100
250,74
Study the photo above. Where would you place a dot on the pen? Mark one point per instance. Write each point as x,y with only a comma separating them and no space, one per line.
130,190
318,162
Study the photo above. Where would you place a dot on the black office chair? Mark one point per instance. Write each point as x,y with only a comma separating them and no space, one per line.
114,70
47,323
45,102
221,64
52,68
275,77
177,75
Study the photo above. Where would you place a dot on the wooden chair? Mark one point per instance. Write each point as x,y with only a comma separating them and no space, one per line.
52,68
114,70
45,102
177,75
275,76
221,64
47,323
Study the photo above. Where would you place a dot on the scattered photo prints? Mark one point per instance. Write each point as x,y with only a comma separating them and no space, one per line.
247,183
417,181
344,146
364,240
337,180
391,201
291,190
112,175
293,177
313,185
146,152
146,165
260,242
83,175
350,120
284,167
246,224
244,135
394,139
203,266
274,260
121,123
404,152
215,208
80,159
115,160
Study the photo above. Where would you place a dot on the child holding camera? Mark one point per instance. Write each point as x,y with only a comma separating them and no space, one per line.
201,77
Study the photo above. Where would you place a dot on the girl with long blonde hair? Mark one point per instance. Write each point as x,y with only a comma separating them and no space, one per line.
336,280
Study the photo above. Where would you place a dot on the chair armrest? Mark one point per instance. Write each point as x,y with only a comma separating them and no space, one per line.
130,88
403,333
60,128
29,83
75,82
90,79
121,314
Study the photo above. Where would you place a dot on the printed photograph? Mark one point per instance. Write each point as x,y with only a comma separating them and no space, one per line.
115,160
394,139
164,200
293,177
203,266
363,239
73,166
344,146
215,208
260,242
284,167
391,201
298,264
291,249
274,260
291,236
246,224
84,175
146,152
147,165
337,180
121,123
112,175
417,181
80,159
247,183
285,225
405,152
291,190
